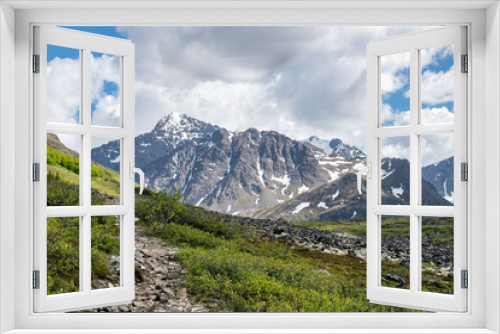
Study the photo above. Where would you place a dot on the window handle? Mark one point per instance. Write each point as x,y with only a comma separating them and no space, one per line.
139,171
365,170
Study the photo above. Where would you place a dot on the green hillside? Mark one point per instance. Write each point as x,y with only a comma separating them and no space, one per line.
228,263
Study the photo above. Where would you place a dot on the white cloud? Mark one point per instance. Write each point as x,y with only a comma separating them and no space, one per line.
63,90
437,87
396,117
395,147
301,81
393,76
437,115
435,148
63,94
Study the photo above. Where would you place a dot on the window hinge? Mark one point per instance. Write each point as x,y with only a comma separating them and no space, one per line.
36,279
36,63
465,64
36,172
465,279
464,171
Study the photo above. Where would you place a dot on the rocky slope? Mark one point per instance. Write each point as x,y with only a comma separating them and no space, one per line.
230,171
266,174
159,280
441,176
340,199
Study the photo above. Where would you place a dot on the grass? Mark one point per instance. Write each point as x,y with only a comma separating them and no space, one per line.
104,180
243,273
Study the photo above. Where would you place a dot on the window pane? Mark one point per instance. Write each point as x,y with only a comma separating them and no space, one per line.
437,169
105,252
105,78
106,181
395,252
395,89
395,171
437,84
63,255
63,170
63,85
437,254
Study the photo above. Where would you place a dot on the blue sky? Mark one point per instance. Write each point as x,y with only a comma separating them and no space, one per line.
300,81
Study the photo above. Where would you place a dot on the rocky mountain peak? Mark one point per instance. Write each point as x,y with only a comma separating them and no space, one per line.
176,123
335,147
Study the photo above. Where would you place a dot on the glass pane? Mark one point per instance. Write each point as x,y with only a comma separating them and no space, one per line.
395,171
63,255
105,252
437,254
395,252
437,84
63,169
437,169
106,166
63,85
395,89
105,79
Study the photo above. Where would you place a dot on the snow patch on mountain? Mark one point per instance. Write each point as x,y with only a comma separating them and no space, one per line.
397,192
301,207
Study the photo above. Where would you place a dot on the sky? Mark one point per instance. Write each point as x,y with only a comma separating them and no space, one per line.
300,81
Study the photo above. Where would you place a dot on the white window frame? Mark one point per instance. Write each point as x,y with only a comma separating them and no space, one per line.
484,37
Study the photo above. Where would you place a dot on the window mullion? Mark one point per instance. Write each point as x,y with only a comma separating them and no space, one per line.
414,171
85,175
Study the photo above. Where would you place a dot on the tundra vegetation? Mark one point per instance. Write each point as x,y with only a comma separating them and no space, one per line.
229,263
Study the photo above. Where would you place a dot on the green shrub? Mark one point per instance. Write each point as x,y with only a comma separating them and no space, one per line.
56,158
160,209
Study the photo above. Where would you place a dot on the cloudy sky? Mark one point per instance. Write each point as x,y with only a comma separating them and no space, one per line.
300,81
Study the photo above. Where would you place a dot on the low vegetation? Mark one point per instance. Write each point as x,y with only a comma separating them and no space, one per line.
227,263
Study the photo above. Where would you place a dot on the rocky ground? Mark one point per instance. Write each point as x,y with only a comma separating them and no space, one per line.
160,280
394,249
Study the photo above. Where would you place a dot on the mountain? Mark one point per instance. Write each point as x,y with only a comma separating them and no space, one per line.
228,171
341,200
336,148
234,171
170,132
260,173
440,174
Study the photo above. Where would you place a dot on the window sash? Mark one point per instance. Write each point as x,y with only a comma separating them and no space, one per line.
414,298
86,297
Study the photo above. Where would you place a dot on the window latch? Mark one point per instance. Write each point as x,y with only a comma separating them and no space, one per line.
139,171
365,170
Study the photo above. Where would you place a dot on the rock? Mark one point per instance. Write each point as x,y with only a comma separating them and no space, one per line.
182,294
170,293
394,278
321,271
199,309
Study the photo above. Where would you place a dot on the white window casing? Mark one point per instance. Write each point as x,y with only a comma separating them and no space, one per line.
482,312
